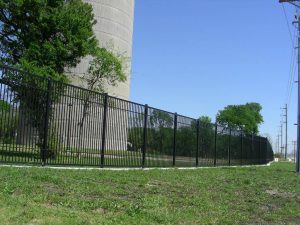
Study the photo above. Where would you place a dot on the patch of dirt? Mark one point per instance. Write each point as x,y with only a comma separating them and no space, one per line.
34,222
123,196
269,207
17,193
52,188
47,205
154,183
100,211
293,220
280,194
263,222
157,183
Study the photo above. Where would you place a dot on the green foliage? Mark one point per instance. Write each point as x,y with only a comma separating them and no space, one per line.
4,106
246,117
43,37
106,68
160,140
31,93
160,132
186,140
8,122
54,144
48,35
206,137
205,120
135,139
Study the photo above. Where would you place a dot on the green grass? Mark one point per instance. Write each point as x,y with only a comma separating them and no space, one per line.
25,154
255,195
91,157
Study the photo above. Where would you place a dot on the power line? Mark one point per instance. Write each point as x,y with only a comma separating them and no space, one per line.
297,17
287,23
289,87
293,76
290,83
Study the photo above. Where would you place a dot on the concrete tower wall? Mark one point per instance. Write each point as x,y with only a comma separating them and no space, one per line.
114,28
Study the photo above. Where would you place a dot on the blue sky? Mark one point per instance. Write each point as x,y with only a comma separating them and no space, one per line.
195,57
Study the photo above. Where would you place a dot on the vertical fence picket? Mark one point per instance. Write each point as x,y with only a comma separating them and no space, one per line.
215,152
105,106
197,142
174,139
242,137
260,157
229,147
145,136
46,122
252,147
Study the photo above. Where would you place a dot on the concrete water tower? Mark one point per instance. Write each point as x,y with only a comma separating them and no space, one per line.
114,28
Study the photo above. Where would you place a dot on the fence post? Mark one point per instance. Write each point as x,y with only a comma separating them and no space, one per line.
105,105
197,146
229,147
260,158
215,153
145,136
46,121
174,138
252,147
242,147
266,150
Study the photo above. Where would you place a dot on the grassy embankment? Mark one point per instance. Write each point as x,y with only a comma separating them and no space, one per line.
254,195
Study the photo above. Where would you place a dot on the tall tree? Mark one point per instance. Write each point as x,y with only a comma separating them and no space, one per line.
206,130
8,122
105,69
45,36
161,131
246,117
205,120
160,119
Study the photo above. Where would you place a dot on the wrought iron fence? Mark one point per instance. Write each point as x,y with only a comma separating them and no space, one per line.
43,121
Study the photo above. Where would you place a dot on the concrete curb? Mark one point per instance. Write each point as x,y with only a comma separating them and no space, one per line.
127,169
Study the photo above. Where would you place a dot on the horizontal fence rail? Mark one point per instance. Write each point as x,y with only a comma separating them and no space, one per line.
47,122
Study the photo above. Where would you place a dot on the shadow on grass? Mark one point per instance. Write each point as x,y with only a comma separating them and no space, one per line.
19,154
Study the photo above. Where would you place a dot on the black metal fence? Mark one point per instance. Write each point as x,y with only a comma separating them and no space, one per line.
43,121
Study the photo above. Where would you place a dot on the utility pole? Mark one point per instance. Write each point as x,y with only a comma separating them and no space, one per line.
286,130
293,2
278,144
281,144
294,142
298,114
